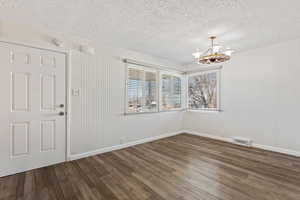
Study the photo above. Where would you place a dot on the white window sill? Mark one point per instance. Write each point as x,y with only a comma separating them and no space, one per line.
177,109
162,111
140,113
205,111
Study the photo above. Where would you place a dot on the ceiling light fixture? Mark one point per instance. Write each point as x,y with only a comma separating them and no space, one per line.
215,54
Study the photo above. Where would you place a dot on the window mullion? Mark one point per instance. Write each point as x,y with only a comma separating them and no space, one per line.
158,90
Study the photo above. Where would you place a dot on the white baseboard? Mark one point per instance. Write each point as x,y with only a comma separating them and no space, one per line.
277,149
116,147
259,146
215,137
23,167
121,146
225,139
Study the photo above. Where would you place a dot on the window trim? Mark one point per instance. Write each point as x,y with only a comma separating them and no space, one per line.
205,110
182,96
158,88
184,76
145,68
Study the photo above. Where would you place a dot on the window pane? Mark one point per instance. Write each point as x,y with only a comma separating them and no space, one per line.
134,89
149,97
170,92
202,91
141,90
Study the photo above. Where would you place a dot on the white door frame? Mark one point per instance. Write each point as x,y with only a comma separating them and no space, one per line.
67,54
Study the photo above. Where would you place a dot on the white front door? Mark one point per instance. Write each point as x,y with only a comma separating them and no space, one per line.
32,104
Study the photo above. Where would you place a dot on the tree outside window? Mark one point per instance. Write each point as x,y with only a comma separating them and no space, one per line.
203,91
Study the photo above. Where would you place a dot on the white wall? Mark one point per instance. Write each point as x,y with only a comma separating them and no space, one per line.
260,96
97,119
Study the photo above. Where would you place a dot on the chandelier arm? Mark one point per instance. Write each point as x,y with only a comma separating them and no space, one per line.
205,52
212,46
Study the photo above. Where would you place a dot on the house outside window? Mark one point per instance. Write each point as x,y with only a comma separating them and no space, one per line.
141,90
171,91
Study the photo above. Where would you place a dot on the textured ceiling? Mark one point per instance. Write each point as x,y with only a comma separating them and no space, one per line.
171,29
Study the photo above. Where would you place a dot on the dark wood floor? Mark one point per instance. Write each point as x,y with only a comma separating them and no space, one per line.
176,168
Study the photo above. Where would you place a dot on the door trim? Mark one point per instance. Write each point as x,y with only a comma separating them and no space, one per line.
67,54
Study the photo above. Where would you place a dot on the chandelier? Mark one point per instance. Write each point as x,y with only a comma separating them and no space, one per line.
215,54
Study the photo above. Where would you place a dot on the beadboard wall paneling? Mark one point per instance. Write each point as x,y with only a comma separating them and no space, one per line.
97,118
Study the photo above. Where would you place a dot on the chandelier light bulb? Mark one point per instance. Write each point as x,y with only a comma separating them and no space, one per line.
228,52
197,54
216,48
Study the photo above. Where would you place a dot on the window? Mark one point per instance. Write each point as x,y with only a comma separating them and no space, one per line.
141,89
203,91
170,96
151,90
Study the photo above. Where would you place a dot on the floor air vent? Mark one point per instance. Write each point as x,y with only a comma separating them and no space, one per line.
242,141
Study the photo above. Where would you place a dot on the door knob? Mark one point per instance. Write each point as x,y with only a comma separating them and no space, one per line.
61,105
61,113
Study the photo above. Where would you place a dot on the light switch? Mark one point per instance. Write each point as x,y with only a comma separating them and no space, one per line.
75,92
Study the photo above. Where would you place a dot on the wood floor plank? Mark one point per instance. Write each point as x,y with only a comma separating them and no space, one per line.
181,167
78,183
210,171
275,173
20,186
92,174
64,182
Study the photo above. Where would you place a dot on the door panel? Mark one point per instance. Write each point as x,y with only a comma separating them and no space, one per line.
48,85
20,91
20,139
32,133
48,135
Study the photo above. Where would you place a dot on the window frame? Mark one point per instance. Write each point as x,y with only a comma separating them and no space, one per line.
182,95
145,68
218,74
